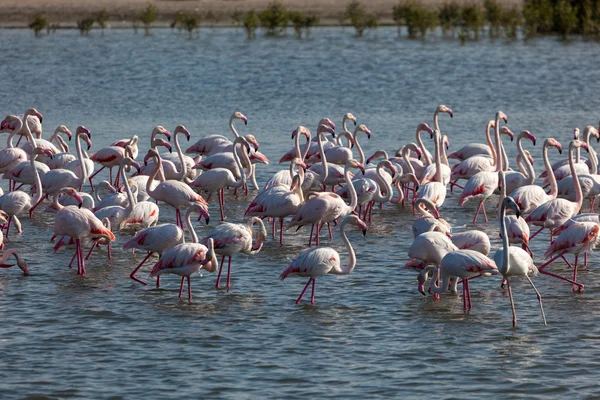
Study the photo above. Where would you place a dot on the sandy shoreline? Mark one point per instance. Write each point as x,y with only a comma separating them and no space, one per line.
18,13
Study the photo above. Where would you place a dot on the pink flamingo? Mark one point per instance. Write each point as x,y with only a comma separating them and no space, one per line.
320,261
160,238
435,191
483,184
530,196
278,204
16,202
514,261
311,147
429,248
556,212
230,239
577,237
217,179
430,220
56,179
184,260
465,264
477,149
174,166
109,157
21,263
516,179
78,223
11,156
207,144
175,193
34,123
284,177
516,227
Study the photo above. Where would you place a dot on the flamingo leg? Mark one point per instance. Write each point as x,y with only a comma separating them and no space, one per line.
181,287
280,231
81,258
189,282
19,141
94,174
73,259
512,304
330,233
273,228
8,225
532,236
91,249
304,291
109,255
178,220
312,296
36,204
218,284
464,286
484,214
539,296
542,270
526,247
221,195
229,273
110,179
585,259
371,211
158,282
312,228
477,212
317,232
132,275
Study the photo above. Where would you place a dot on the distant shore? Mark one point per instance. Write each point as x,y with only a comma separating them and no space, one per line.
65,13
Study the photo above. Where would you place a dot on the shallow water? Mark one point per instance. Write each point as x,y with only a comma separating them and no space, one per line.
370,334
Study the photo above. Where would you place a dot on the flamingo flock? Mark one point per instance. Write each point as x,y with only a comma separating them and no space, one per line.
323,185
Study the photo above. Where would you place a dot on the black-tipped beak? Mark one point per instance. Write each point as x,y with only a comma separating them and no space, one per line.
69,139
333,135
363,171
79,205
560,151
207,220
422,291
364,232
89,147
139,170
518,214
145,162
171,150
534,142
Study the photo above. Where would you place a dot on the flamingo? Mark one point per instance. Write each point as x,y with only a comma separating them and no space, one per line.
311,147
530,196
23,172
590,183
465,264
278,204
580,165
21,263
284,177
230,239
175,193
78,223
184,260
435,191
11,156
217,179
556,212
320,261
109,157
56,179
514,261
160,238
208,143
429,248
427,159
515,179
16,202
173,164
429,221
476,149
483,184
431,170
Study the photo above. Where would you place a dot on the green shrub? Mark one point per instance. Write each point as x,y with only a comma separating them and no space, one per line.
238,18
449,16
51,28
358,17
38,23
274,18
251,22
302,22
177,22
510,21
472,20
493,15
148,16
565,18
537,17
101,17
190,22
417,19
85,25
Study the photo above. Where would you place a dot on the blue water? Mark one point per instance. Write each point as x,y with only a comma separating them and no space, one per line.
370,334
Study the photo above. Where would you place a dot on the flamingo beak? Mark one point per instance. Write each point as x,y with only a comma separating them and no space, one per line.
364,232
422,289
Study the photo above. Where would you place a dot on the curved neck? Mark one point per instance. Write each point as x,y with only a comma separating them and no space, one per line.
378,196
424,152
232,128
81,159
346,269
443,151
236,158
550,172
8,253
9,141
361,153
578,193
505,257
62,145
30,137
398,186
297,145
444,282
351,189
530,175
188,224
424,210
438,163
325,169
132,200
489,140
308,139
406,157
36,177
345,123
499,155
158,163
180,174
55,204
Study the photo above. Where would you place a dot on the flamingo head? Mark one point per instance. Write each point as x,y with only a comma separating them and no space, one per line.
328,122
417,151
377,154
252,140
47,152
355,164
201,209
87,140
182,129
161,130
65,130
3,217
529,136
579,143
363,128
323,128
35,113
555,143
506,131
387,164
69,191
443,108
501,116
576,133
350,117
298,161
446,141
509,202
239,115
421,279
529,156
162,142
258,157
424,127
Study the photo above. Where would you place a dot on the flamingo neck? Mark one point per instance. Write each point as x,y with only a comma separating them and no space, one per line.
84,174
38,181
346,269
297,145
158,162
398,186
189,226
424,210
578,193
183,173
232,128
361,153
498,158
489,139
351,189
260,236
378,197
425,153
132,200
553,185
443,150
444,282
345,124
303,156
438,163
55,204
530,175
8,253
236,158
406,157
325,169
505,267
